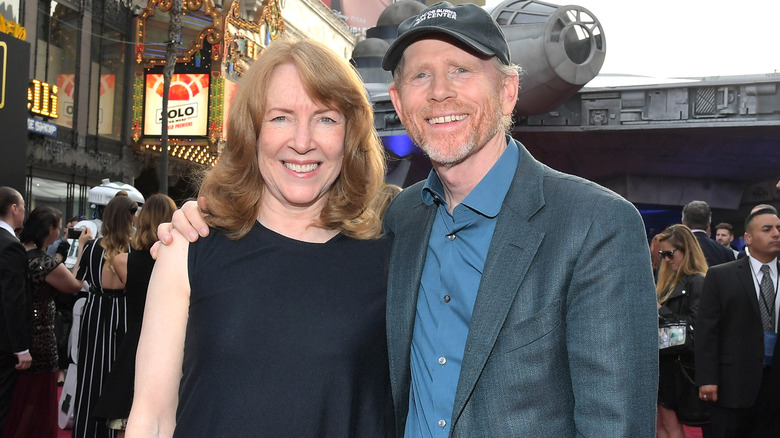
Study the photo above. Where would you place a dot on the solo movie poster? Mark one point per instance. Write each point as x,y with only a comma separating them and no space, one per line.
188,105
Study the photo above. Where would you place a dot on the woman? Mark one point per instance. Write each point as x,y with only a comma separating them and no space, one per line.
134,270
679,287
274,324
103,322
34,406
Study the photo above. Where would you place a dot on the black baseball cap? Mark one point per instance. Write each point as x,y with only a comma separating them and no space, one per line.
467,23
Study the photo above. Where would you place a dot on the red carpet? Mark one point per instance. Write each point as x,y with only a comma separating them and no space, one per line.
690,432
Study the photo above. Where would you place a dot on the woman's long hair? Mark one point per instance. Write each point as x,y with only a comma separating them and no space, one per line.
157,209
234,187
681,237
39,225
117,228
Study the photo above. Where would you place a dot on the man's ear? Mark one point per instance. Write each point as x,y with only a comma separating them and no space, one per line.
509,92
395,98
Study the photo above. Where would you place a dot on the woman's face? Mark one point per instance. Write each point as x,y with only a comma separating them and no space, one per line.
671,255
301,145
54,234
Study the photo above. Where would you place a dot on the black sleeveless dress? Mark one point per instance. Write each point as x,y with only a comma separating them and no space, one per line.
286,338
116,397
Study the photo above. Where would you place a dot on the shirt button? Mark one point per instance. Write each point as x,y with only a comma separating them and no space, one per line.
442,423
451,236
446,298
442,360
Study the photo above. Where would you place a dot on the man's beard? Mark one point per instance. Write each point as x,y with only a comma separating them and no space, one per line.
449,150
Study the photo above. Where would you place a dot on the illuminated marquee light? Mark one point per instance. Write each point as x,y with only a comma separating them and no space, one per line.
138,107
42,99
210,33
199,154
216,109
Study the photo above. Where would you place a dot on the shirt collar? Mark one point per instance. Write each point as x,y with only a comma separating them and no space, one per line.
755,265
487,197
4,225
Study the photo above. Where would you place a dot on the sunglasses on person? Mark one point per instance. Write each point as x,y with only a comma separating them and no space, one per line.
668,254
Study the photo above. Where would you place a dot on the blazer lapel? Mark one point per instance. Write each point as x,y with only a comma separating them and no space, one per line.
406,265
745,276
512,249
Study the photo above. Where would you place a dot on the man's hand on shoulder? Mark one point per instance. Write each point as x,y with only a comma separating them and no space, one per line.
188,221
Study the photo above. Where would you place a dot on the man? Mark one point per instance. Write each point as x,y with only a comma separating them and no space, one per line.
736,321
724,234
520,299
59,249
746,249
15,310
698,217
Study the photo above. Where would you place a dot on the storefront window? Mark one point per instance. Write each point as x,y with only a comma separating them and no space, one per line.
107,76
50,193
58,40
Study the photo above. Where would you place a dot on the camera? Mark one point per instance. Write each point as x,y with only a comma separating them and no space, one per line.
74,233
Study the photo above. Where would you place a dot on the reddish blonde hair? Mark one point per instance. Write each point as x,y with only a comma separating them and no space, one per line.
234,187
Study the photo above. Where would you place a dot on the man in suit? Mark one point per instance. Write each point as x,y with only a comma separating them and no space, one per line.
698,217
520,299
737,313
15,311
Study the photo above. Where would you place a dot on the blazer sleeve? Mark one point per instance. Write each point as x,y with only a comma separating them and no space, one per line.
612,327
706,347
13,293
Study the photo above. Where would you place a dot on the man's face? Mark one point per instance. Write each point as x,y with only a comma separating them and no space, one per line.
763,236
724,236
451,101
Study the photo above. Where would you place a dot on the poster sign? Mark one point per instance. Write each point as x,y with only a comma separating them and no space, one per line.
106,110
188,102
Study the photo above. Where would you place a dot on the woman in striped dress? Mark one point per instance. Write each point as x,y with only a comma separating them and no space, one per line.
104,321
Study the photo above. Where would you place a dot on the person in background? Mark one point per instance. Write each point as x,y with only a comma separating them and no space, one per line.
34,406
15,303
724,234
736,335
64,302
746,249
679,288
274,324
697,216
134,270
104,320
61,246
520,300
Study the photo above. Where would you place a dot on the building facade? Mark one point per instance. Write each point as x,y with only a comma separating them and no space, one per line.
96,86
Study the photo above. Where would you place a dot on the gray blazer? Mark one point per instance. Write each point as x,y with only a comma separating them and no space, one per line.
563,338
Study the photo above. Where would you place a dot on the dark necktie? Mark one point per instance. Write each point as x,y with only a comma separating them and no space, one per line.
767,304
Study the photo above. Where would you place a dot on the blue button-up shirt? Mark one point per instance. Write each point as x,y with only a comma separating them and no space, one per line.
456,255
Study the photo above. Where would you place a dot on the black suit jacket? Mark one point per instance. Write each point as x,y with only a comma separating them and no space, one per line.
15,310
729,335
714,252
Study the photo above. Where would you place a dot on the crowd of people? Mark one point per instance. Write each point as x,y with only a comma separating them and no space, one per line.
31,281
300,296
